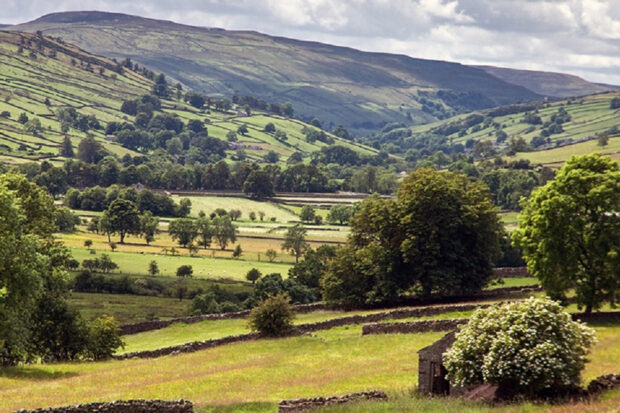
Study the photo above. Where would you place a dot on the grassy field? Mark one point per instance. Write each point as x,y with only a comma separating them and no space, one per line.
555,157
336,361
209,203
127,308
204,267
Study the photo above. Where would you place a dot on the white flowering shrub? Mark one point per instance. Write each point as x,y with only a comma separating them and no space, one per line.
527,347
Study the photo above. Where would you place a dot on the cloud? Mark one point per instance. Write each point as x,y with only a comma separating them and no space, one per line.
555,35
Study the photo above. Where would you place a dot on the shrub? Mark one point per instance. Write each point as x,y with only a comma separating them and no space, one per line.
525,348
272,317
185,271
104,338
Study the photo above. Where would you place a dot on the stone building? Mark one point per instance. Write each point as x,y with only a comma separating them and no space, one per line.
431,371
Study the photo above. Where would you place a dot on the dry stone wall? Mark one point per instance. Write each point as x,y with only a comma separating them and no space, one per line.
303,329
142,326
303,405
128,406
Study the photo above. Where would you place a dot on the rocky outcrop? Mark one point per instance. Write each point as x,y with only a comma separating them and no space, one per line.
122,406
303,405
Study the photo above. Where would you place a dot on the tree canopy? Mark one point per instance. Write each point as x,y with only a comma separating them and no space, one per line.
438,237
569,231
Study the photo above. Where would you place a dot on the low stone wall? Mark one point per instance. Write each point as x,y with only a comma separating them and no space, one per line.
188,347
511,272
129,406
604,383
303,329
600,316
134,328
413,326
302,405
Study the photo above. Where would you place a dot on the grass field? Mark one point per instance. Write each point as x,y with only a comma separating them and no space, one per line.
204,267
336,361
127,308
209,203
555,157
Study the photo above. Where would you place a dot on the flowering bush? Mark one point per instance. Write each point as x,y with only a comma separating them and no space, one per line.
526,347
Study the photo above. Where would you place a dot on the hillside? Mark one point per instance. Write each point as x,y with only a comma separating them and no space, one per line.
40,76
549,84
551,132
360,90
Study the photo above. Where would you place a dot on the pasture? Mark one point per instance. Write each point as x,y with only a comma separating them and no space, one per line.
257,373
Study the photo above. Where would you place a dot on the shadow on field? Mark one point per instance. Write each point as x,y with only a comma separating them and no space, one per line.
33,373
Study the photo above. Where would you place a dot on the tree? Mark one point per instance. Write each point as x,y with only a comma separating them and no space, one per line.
273,317
183,230
271,157
439,237
295,241
90,151
271,254
261,215
113,246
525,348
149,226
603,139
242,129
88,243
153,268
339,214
237,251
258,185
66,220
185,271
66,148
253,275
234,214
224,231
104,338
308,272
204,231
269,127
124,218
252,216
569,231
307,213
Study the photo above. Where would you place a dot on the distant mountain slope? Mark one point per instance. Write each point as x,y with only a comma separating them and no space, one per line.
339,85
40,76
549,84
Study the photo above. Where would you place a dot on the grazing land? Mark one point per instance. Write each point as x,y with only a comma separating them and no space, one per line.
259,373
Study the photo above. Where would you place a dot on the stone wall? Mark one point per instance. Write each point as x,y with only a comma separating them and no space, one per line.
303,329
302,405
413,326
142,326
511,272
129,406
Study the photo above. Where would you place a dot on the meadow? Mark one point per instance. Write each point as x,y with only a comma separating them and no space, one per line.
256,374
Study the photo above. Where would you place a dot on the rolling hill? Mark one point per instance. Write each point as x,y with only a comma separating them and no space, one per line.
40,76
360,90
581,121
549,84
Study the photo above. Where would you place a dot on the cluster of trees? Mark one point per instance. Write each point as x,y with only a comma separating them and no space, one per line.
35,320
203,229
99,199
439,236
102,264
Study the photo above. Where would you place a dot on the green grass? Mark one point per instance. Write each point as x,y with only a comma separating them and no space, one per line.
204,267
208,204
560,155
127,308
337,361
514,282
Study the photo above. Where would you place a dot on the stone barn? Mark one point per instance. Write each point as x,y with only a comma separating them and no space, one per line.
431,371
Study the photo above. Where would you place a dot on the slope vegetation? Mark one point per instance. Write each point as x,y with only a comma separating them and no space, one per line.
361,90
40,76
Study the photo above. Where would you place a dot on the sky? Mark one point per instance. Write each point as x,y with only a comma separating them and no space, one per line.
581,37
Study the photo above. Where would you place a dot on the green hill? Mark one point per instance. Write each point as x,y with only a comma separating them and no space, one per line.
550,131
41,76
360,90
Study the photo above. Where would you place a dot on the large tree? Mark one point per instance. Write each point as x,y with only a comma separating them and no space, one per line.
183,230
569,231
295,241
224,231
438,237
258,185
124,218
